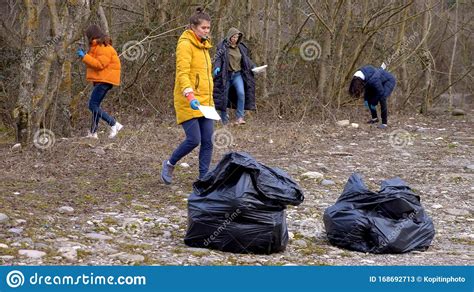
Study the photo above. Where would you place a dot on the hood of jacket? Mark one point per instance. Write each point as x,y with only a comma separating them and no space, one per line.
232,31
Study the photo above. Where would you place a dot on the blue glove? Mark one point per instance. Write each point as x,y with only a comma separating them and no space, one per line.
366,104
80,53
194,104
216,71
373,107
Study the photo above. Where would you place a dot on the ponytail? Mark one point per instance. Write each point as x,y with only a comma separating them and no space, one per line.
199,16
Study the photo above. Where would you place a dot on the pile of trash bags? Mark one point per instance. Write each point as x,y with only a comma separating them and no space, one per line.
389,221
240,207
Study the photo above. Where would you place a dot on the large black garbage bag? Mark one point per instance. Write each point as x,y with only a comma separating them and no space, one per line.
240,207
390,221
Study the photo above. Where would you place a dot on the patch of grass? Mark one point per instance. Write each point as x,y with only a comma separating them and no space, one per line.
145,175
88,199
110,221
43,206
115,186
199,253
175,220
51,253
146,262
132,248
61,232
82,254
297,236
176,234
177,250
24,245
346,254
452,145
99,229
156,231
313,250
184,175
9,251
7,135
231,260
322,264
465,241
139,208
128,197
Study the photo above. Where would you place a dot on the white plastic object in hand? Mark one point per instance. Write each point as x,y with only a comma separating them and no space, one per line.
383,66
209,112
260,69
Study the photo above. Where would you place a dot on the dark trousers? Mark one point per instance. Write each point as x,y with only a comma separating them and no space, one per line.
97,96
383,108
198,131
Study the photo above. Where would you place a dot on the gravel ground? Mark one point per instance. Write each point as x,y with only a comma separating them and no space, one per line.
86,202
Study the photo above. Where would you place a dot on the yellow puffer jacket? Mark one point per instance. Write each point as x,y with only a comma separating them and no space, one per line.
193,73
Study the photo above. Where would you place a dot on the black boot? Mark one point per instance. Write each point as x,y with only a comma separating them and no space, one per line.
373,121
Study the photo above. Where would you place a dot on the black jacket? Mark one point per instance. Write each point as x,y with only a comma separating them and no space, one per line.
221,60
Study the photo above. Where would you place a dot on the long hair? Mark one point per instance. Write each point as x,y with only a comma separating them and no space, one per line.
356,88
198,17
94,32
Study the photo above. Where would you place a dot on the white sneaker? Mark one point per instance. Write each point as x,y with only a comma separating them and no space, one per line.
115,129
92,135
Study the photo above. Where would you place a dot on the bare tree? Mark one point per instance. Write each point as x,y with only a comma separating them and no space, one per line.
266,37
44,94
453,55
45,82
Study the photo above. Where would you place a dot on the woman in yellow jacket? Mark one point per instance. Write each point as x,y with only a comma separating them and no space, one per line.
103,70
193,87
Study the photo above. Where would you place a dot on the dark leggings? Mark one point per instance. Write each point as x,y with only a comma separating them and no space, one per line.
383,108
198,130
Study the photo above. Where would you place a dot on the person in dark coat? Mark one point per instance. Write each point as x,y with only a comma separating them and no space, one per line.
377,85
234,81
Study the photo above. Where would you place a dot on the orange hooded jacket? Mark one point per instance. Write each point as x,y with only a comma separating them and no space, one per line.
103,64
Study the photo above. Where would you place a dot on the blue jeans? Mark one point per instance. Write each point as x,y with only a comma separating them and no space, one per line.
98,94
238,83
198,130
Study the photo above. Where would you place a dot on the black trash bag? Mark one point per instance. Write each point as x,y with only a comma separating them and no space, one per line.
390,221
240,207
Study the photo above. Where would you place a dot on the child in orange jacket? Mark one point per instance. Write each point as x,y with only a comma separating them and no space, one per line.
103,70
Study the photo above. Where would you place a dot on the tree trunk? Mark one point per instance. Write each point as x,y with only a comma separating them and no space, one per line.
162,11
23,107
45,86
426,103
403,81
103,20
324,91
340,53
266,37
221,8
146,17
248,14
276,60
64,98
453,55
